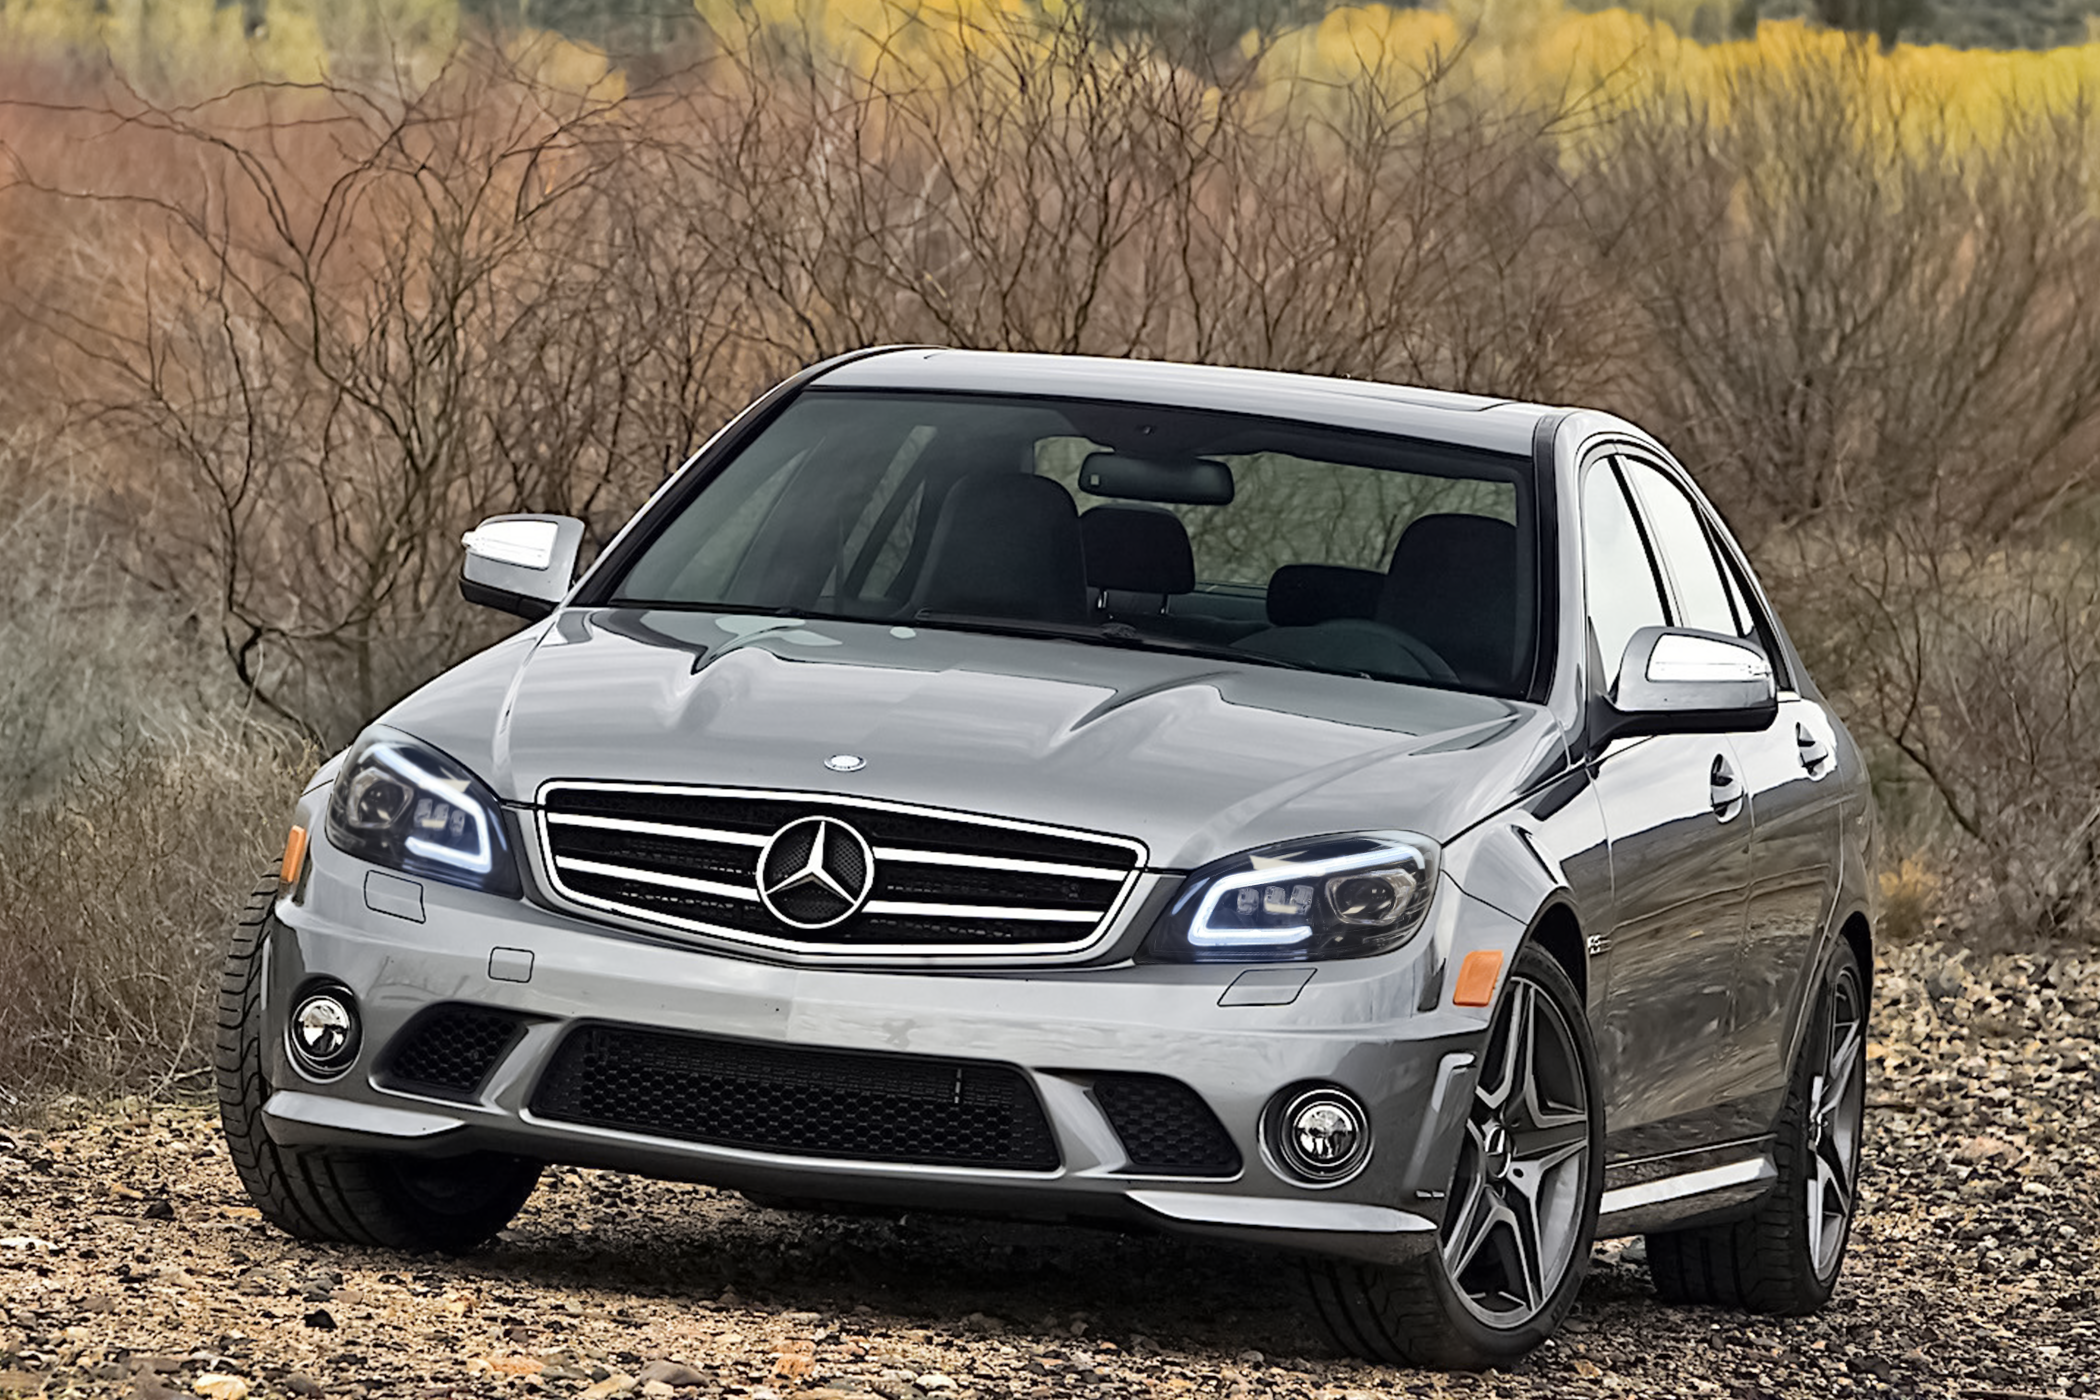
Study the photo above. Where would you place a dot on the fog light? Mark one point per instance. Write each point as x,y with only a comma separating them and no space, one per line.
323,1032
1322,1134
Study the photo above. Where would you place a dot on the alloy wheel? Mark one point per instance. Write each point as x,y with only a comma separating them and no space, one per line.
1524,1168
1836,1107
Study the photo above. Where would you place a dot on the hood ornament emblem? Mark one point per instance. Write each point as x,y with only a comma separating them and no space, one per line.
815,872
845,763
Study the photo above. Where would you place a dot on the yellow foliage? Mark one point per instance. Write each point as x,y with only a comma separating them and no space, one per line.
1539,51
564,65
867,35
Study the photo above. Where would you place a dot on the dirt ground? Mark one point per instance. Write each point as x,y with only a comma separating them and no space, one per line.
131,1265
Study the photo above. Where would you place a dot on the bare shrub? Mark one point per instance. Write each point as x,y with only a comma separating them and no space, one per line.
1980,666
118,888
1854,303
362,321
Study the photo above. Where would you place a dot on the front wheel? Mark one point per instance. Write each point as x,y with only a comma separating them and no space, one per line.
1785,1257
329,1193
1522,1209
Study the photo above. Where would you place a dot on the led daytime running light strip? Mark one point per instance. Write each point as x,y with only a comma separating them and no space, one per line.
1202,935
482,859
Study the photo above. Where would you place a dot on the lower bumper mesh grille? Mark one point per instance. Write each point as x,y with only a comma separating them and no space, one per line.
813,1103
449,1051
1165,1126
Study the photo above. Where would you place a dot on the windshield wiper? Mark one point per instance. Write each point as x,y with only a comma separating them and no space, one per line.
1111,634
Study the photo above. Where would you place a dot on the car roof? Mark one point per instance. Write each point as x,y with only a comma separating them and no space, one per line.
1467,420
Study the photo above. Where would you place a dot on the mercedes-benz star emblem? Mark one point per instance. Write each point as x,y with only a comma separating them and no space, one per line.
815,872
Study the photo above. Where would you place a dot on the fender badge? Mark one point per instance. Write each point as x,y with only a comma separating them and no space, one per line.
845,763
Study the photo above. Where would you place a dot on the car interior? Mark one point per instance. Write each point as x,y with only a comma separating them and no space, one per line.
1297,545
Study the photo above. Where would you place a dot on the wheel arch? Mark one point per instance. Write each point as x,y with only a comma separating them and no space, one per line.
1556,930
1856,931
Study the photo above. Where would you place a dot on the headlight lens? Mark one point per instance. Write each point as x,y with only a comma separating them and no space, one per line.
406,806
1338,897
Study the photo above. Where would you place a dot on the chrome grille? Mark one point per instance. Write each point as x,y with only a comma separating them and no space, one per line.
929,882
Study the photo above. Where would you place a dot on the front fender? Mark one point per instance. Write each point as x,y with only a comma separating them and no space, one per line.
1544,854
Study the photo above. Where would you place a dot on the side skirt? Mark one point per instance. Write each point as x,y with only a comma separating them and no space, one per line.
1684,1188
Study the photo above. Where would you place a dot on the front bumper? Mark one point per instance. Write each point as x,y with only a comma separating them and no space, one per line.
1355,1024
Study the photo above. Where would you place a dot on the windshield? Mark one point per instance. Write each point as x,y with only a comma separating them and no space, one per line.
1283,543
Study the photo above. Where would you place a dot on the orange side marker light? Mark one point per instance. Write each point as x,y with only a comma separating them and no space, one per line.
1476,979
294,855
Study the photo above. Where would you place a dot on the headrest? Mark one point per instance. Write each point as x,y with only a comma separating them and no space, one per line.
1006,545
1304,595
1137,549
1453,554
1453,586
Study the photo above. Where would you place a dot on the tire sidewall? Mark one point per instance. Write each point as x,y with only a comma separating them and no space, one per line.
1504,1345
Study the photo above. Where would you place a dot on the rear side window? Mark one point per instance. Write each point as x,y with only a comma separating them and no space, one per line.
1618,578
1687,553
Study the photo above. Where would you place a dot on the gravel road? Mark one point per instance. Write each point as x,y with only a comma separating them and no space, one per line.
131,1265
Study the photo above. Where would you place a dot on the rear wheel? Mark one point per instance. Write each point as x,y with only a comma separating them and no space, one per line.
1785,1257
328,1193
1522,1209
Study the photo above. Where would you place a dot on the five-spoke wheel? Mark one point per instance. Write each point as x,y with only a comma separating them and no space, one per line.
1785,1255
1518,1199
1836,1107
1522,1207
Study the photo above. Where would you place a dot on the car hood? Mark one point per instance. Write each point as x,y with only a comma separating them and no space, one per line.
1195,756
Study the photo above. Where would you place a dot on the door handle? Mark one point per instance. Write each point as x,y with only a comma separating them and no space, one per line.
1815,754
1724,788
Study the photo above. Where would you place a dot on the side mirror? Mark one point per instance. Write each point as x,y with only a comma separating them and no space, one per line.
1678,681
521,564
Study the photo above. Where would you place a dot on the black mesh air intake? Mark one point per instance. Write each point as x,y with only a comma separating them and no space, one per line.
448,1051
1166,1127
790,1099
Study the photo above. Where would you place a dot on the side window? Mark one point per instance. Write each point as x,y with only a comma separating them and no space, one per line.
1687,554
1618,578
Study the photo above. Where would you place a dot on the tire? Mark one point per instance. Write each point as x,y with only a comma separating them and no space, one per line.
1779,1259
1446,1309
331,1193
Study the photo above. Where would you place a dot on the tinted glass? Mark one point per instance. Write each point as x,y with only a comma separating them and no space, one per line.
951,510
1617,576
1702,595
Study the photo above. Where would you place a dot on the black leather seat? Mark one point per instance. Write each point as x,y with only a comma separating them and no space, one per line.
1305,595
1446,609
1137,557
1005,545
1453,587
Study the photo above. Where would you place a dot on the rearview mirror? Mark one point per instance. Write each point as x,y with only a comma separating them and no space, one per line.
1190,482
1678,681
521,564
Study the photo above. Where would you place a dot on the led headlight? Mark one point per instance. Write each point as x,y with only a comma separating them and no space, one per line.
406,806
1337,897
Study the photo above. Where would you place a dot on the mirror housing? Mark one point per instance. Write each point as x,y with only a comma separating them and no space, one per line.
521,564
1192,481
1675,680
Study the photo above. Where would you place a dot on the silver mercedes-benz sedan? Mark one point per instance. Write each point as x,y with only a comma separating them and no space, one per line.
1386,825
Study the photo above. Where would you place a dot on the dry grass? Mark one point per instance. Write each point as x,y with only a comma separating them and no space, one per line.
137,801
118,886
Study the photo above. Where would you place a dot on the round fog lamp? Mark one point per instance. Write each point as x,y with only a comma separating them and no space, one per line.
1323,1135
323,1032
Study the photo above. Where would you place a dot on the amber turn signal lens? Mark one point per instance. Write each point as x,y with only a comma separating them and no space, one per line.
1476,979
294,855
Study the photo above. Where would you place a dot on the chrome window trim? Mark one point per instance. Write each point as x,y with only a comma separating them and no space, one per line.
934,955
